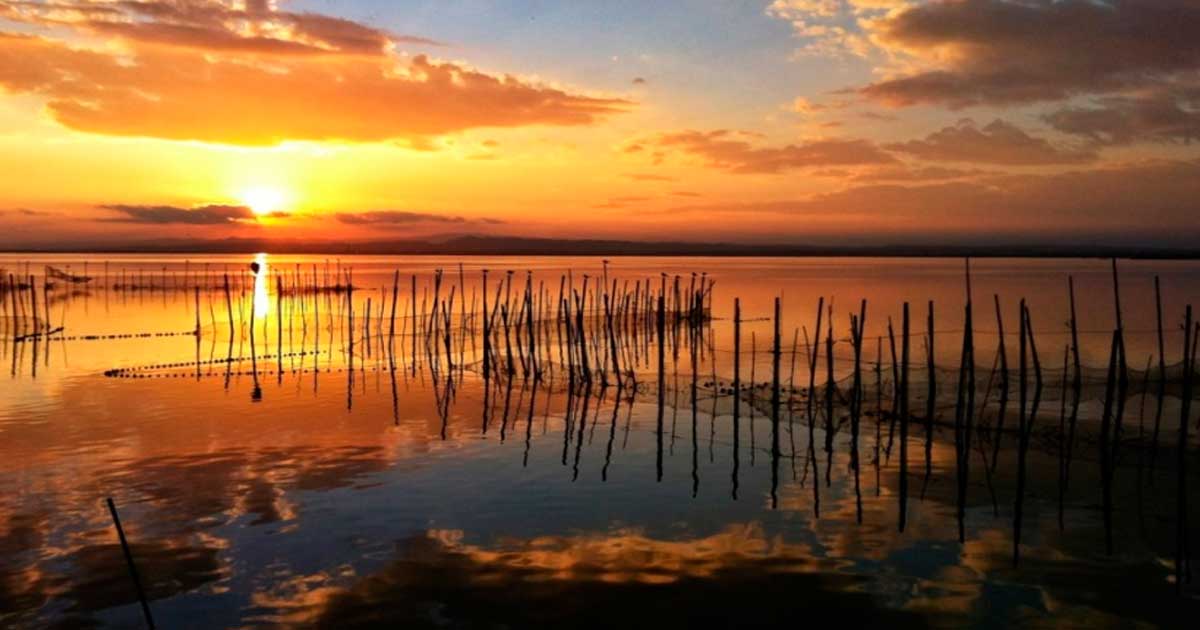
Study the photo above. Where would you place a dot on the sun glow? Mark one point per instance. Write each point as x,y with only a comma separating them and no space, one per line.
263,201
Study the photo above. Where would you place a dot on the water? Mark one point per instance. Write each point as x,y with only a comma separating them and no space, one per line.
313,486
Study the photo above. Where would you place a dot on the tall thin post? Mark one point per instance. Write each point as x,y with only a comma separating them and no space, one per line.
133,573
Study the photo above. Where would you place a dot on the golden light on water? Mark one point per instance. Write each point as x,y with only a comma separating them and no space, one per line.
262,293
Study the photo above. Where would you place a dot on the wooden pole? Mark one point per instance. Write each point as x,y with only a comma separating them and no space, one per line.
133,573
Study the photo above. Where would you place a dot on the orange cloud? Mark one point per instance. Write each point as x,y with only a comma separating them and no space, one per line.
996,143
732,151
211,25
183,95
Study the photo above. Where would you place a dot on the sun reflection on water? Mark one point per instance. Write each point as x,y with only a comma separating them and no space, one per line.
262,297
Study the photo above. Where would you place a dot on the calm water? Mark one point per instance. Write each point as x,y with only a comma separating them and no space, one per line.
327,473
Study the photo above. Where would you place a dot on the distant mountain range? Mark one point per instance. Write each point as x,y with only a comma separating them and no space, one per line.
519,246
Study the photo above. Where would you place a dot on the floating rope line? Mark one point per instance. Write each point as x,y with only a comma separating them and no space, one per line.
141,335
127,371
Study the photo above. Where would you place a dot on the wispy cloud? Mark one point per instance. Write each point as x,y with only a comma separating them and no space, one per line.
733,151
402,218
255,27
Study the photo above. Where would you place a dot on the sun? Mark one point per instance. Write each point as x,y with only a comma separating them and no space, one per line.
262,200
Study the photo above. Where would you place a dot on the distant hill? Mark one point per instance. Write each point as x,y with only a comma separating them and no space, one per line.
520,246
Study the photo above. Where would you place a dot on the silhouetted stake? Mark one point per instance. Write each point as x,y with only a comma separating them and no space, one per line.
583,416
229,307
813,353
529,424
279,329
531,332
752,389
1026,423
133,573
856,336
1122,365
930,398
392,318
961,443
1162,379
1182,544
878,408
693,333
895,391
413,306
612,338
580,306
196,293
256,393
367,328
904,354
1062,438
612,432
508,387
737,390
775,411
662,379
350,350
830,390
1105,431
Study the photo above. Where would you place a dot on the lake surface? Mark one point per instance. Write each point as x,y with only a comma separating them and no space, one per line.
301,461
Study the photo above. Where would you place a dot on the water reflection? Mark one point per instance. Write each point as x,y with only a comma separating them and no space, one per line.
603,462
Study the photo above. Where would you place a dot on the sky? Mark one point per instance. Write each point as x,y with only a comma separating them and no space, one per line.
772,121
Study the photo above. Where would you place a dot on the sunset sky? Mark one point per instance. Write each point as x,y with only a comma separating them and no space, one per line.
793,121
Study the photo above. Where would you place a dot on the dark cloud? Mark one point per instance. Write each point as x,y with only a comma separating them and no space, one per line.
906,173
1002,52
734,152
164,215
639,81
997,143
1123,120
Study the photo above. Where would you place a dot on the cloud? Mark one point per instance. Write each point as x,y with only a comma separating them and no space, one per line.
906,173
1081,203
1008,52
621,202
213,214
402,218
1159,117
997,143
25,212
828,28
650,177
732,151
210,25
182,95
639,81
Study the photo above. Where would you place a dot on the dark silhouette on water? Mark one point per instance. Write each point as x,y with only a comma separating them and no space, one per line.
133,572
